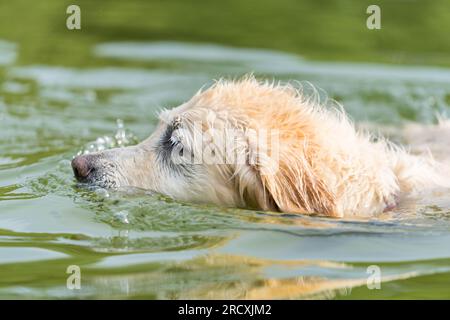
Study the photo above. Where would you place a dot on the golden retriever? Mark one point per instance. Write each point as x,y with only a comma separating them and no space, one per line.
266,146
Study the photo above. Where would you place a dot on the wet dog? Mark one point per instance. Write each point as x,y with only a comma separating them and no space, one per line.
266,146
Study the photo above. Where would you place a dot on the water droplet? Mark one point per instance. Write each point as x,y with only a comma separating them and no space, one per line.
122,216
102,192
121,138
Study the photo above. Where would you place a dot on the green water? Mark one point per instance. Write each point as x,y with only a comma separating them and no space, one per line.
63,91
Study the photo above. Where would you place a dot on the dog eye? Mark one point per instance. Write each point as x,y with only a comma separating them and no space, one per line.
169,141
178,149
174,140
175,143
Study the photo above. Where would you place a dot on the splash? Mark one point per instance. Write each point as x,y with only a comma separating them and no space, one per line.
122,138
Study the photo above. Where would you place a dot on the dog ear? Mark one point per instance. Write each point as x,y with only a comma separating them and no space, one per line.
295,188
286,180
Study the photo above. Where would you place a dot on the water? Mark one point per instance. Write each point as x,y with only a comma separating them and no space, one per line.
132,243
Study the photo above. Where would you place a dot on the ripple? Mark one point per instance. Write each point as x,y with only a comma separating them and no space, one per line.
15,255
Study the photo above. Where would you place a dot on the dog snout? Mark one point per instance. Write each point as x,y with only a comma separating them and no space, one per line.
82,167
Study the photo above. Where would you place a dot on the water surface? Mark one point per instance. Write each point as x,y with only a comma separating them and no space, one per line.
136,244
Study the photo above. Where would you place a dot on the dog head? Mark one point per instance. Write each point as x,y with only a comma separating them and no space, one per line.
237,144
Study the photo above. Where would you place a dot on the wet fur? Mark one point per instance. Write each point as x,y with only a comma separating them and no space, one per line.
325,166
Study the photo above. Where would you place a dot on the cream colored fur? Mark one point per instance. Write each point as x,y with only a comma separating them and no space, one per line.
323,165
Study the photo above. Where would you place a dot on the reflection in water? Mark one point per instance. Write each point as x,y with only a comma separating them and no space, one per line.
222,277
233,277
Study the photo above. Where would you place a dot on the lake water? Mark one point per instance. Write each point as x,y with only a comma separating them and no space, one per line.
135,244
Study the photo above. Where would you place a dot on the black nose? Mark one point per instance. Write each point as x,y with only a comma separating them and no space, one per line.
82,167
